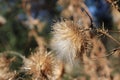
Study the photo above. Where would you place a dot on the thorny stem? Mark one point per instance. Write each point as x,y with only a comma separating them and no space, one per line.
91,20
111,52
105,33
15,53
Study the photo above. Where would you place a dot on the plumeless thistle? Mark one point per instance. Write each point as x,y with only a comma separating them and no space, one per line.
42,66
69,40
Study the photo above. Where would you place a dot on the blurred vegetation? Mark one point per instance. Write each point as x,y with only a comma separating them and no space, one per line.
14,34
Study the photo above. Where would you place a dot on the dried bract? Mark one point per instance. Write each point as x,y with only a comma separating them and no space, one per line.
5,73
42,66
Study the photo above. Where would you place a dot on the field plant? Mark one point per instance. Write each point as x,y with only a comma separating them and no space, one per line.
72,47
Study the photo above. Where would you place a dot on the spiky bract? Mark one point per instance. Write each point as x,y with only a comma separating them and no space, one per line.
5,73
41,65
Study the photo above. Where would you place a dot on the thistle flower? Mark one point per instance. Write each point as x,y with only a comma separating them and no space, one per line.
5,73
69,40
42,66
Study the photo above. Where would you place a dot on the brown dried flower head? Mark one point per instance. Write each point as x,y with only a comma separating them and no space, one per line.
5,73
41,65
69,40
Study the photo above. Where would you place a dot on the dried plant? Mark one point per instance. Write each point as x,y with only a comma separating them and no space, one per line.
114,3
116,20
78,39
69,40
63,3
90,68
5,72
79,11
115,12
40,40
94,63
42,66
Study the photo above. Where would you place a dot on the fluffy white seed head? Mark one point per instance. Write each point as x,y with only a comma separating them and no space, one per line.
68,40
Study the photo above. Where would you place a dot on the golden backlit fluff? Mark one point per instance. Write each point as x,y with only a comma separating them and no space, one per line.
69,40
5,73
42,66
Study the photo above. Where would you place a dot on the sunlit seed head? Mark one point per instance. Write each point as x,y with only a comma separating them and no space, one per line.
41,64
68,40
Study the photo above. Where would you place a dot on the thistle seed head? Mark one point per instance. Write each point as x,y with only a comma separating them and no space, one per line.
69,40
41,65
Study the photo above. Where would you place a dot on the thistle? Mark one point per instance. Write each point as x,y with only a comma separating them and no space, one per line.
5,73
42,66
69,40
